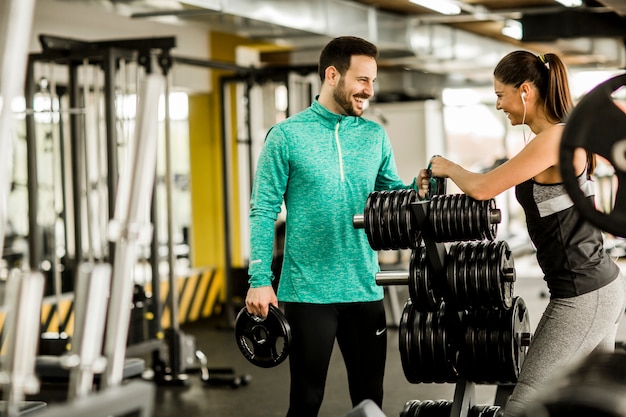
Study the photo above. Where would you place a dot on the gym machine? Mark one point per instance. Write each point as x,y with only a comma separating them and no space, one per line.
86,165
95,72
100,321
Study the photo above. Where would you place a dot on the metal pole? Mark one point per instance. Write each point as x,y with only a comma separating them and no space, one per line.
34,232
174,346
130,225
110,118
226,158
78,172
18,20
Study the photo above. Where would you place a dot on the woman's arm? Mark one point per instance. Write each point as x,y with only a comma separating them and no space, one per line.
538,156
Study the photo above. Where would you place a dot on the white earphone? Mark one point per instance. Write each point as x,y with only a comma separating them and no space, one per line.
524,117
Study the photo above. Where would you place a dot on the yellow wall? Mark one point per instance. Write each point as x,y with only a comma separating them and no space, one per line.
207,191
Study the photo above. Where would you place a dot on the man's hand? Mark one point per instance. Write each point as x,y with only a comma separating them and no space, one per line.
258,300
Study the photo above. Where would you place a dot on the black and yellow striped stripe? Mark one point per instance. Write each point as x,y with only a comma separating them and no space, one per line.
198,297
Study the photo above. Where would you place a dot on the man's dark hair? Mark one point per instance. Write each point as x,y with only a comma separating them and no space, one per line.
339,52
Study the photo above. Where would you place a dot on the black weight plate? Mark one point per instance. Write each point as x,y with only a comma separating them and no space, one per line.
481,274
417,352
404,341
452,336
439,365
380,216
458,218
402,206
451,295
493,264
490,227
445,211
415,278
415,234
506,285
429,284
459,277
483,270
412,230
452,212
460,227
521,325
598,126
470,275
395,216
374,215
432,217
493,319
382,219
402,220
392,242
367,219
444,350
475,218
440,219
463,214
465,354
263,342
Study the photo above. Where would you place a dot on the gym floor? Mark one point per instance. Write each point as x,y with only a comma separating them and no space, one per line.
266,395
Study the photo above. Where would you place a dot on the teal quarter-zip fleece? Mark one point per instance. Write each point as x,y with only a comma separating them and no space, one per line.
324,165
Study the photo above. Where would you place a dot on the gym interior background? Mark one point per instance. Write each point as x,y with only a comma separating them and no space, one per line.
105,179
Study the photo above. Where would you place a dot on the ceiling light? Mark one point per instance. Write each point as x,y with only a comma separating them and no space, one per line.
571,3
513,29
440,6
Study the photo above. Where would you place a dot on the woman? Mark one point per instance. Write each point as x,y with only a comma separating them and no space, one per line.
587,290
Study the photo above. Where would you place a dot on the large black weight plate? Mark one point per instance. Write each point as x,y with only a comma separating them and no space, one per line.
263,342
367,217
599,126
404,340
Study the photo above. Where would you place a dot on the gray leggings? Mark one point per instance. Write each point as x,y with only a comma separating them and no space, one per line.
569,330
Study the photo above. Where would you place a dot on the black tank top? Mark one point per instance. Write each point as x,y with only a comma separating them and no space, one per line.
570,250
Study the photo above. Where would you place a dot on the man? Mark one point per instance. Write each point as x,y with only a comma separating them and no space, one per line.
323,162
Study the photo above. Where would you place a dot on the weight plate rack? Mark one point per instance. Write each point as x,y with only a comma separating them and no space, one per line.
462,322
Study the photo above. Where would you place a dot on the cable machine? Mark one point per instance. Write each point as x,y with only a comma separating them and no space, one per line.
92,146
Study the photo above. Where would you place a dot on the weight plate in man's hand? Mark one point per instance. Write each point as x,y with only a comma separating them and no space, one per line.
263,342
599,126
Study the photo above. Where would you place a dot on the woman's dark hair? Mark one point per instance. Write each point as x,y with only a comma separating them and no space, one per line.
549,74
339,51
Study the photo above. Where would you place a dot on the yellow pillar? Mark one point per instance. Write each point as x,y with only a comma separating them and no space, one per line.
206,171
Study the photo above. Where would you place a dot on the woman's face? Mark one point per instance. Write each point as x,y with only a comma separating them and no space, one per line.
509,100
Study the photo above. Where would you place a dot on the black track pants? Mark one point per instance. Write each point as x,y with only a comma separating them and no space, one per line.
360,330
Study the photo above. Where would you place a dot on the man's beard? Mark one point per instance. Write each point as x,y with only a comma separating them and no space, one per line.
344,100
